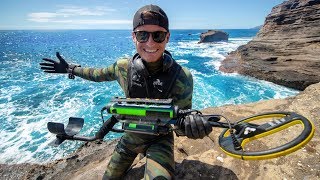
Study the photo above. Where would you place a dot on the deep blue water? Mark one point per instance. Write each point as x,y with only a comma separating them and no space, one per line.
30,98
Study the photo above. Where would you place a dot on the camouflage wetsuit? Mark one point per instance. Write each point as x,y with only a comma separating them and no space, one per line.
158,149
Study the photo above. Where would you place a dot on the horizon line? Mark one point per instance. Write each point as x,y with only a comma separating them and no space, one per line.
119,29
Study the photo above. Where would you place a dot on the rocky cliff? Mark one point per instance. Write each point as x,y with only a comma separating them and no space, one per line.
198,159
286,50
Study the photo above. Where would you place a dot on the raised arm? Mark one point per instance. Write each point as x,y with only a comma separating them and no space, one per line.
109,73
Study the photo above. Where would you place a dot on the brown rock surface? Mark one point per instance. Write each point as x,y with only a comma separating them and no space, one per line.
286,50
200,159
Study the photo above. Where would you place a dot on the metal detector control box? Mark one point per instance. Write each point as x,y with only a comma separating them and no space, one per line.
150,116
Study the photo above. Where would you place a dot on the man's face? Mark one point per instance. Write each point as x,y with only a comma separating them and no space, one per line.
150,50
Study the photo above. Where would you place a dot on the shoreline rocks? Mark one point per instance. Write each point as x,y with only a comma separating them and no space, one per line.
286,50
213,36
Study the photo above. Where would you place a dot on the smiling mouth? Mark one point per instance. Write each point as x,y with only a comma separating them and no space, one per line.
150,51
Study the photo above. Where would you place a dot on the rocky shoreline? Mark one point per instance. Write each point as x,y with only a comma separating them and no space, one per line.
286,50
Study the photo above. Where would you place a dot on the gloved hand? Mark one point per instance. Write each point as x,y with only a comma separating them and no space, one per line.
196,127
51,66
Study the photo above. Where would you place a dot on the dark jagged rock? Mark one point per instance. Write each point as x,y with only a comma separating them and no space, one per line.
213,36
286,50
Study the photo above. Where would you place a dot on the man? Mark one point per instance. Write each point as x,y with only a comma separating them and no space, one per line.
150,73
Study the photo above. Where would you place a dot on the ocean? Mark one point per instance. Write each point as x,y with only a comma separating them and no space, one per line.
30,98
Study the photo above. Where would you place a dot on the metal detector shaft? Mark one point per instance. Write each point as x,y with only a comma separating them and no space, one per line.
74,126
79,138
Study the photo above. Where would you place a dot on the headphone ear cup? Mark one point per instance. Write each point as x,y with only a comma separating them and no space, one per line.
167,61
140,67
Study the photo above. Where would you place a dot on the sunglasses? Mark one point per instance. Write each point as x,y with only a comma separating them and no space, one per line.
157,36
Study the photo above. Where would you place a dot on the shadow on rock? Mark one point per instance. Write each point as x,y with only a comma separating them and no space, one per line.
190,169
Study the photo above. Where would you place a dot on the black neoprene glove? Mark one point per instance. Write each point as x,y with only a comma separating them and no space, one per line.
195,126
51,66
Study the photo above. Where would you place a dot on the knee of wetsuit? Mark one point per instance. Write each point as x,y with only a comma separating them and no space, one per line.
123,150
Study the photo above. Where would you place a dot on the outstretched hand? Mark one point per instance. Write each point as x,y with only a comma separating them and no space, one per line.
52,66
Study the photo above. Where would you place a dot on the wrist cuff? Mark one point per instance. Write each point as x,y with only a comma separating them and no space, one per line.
70,70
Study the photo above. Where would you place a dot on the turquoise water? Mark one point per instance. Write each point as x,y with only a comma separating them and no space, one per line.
30,98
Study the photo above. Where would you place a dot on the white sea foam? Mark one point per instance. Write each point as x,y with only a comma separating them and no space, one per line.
196,74
25,126
56,108
182,61
215,51
214,63
209,93
240,89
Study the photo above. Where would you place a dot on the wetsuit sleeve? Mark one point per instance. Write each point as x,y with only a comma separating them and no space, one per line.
182,91
109,73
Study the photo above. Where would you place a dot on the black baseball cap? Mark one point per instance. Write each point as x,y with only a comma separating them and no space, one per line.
159,17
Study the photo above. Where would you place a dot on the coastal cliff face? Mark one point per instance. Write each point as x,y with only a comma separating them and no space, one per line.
286,50
198,159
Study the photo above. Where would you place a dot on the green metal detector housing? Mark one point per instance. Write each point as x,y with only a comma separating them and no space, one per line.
149,116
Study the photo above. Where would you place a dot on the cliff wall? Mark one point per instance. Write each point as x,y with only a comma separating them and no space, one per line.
286,50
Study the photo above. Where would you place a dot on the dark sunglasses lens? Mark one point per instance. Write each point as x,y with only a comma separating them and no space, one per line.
159,36
142,36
